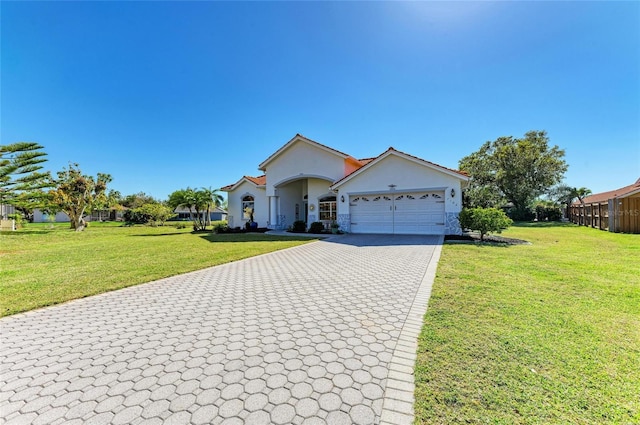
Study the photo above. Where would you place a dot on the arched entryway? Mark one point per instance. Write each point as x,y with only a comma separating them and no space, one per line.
299,198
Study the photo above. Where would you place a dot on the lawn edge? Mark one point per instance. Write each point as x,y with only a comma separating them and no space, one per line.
398,397
22,313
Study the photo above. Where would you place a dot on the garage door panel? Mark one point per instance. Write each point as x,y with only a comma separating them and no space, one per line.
406,213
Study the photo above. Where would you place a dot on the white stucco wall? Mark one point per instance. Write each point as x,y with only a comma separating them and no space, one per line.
316,189
235,215
302,159
288,196
406,175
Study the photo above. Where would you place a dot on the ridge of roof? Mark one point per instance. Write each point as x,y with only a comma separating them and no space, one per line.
605,196
392,149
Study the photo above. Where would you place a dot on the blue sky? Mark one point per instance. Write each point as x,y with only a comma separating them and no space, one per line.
165,95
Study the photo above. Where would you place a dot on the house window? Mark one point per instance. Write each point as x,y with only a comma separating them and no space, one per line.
247,207
327,208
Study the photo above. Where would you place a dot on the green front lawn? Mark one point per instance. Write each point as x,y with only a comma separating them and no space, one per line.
534,334
41,266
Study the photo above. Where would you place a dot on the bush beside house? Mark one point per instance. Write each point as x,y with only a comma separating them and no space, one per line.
484,220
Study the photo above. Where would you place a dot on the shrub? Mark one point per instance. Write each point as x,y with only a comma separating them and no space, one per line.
135,216
221,228
484,220
299,226
521,214
316,227
19,219
548,213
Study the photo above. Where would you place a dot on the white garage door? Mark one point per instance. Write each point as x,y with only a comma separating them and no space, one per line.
398,213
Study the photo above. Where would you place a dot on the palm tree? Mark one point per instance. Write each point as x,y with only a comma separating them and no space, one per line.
565,195
213,199
581,193
184,198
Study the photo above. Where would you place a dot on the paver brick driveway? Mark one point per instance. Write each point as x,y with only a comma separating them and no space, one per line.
303,335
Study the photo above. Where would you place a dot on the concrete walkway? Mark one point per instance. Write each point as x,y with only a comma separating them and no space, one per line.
323,333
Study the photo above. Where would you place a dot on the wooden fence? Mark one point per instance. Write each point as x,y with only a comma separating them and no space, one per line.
616,215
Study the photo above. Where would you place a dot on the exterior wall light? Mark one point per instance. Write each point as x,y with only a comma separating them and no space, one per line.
453,193
342,198
312,207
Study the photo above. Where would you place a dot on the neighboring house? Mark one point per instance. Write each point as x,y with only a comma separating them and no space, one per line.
215,214
393,193
616,211
60,217
5,210
41,217
107,215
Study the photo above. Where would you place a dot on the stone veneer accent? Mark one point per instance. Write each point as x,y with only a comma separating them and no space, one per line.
282,222
452,224
344,220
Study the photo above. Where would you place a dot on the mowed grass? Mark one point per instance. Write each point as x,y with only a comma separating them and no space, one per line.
547,333
41,266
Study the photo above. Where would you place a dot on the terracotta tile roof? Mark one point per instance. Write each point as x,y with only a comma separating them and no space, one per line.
367,161
258,181
605,196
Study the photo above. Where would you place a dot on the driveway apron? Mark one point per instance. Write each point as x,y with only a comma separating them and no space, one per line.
305,335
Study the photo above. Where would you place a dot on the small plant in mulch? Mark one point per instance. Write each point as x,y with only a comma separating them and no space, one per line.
491,239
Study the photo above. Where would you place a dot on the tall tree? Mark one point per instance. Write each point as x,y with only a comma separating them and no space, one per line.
519,170
77,193
214,200
564,195
137,200
199,203
21,181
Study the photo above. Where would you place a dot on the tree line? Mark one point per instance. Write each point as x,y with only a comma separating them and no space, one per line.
522,176
25,186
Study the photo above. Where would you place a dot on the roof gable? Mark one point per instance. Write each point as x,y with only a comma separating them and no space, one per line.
298,138
371,163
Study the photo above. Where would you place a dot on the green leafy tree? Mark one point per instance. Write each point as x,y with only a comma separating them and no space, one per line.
137,200
513,170
114,201
157,213
76,193
484,220
22,183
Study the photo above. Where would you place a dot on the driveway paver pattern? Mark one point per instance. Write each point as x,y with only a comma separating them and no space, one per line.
300,336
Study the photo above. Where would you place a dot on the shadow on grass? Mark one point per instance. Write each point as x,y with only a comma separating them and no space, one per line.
23,232
164,234
20,232
249,237
543,224
483,244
